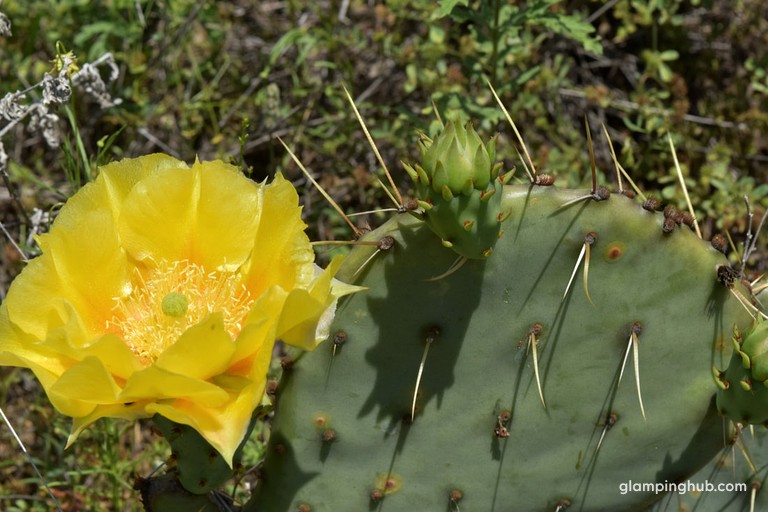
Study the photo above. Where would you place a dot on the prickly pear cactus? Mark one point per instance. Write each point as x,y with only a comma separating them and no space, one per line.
575,359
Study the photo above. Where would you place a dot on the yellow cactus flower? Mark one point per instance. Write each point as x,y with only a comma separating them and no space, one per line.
161,289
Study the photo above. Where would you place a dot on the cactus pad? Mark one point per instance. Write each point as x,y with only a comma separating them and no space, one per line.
532,394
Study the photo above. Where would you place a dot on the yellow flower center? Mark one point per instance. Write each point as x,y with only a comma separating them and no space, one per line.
170,298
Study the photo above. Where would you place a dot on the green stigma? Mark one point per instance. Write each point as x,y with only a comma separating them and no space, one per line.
175,304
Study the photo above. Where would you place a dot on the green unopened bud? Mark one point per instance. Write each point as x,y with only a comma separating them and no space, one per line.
747,402
755,347
458,159
457,187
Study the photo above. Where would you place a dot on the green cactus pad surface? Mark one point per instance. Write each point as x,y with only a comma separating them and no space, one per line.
200,469
483,437
165,494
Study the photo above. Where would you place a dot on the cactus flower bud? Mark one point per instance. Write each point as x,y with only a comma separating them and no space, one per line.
456,184
746,402
459,160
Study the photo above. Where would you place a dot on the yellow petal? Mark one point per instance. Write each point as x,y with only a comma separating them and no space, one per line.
203,351
127,411
154,383
89,264
282,255
120,177
223,427
254,351
228,216
36,303
82,387
157,216
305,318
257,337
117,358
299,320
203,214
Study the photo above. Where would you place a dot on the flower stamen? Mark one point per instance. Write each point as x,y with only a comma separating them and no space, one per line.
168,298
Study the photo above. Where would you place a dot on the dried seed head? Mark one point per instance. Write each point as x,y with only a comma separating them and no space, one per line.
90,81
5,26
56,90
40,120
3,158
10,106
